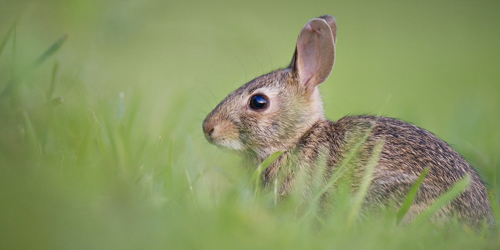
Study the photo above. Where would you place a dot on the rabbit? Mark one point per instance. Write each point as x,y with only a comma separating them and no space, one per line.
283,111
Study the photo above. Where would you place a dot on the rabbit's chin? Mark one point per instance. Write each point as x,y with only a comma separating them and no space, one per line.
231,144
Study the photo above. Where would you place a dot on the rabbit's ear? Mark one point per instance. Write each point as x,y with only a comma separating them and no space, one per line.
333,26
315,52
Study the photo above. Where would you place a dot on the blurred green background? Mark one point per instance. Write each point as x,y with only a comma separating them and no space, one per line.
122,162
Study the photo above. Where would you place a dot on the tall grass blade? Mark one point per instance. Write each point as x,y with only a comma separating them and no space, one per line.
495,208
411,196
6,38
81,153
444,199
190,183
99,137
14,52
18,77
365,182
118,145
121,106
170,158
133,108
275,192
8,89
50,51
255,178
52,86
156,154
344,165
31,138
317,182
54,102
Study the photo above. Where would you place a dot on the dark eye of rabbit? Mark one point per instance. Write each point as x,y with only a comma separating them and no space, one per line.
259,102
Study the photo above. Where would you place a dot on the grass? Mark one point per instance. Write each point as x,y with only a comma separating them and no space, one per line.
100,131
405,207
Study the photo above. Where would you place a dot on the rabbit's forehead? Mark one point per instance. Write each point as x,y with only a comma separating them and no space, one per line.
269,91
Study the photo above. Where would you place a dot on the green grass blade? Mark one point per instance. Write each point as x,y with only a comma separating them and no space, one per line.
255,178
444,199
133,109
31,138
18,77
411,196
6,38
156,154
50,51
99,137
54,102
52,86
365,182
14,52
121,106
343,166
495,208
6,92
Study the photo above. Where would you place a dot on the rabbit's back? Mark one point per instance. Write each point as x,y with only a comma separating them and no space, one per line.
406,152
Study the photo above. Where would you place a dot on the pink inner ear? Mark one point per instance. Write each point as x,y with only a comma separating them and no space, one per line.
309,49
315,53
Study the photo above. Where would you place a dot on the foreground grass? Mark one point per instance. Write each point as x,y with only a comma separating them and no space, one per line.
88,163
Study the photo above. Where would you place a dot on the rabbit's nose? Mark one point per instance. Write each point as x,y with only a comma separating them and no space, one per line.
208,130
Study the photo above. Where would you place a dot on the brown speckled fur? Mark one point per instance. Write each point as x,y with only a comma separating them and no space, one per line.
294,123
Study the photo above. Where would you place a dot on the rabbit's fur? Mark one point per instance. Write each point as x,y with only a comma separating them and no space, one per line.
294,122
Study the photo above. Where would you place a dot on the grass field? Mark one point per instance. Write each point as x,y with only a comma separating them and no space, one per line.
101,105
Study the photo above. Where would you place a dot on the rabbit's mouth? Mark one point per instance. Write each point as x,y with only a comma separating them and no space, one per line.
224,142
222,133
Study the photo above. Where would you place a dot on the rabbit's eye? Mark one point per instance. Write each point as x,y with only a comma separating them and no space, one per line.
259,102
